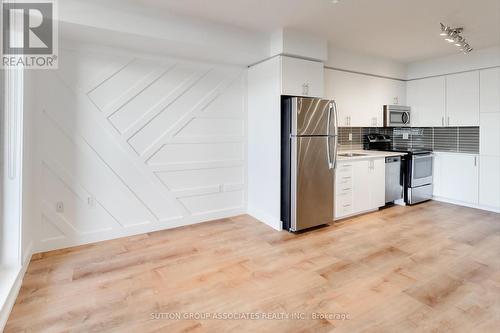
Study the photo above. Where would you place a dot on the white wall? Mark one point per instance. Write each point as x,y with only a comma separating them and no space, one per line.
477,59
141,27
352,61
131,144
295,43
264,147
28,236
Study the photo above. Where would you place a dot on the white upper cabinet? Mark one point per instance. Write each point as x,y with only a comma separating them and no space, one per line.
462,99
302,77
360,98
427,100
489,90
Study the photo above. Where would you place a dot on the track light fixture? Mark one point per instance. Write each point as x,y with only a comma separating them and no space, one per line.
452,35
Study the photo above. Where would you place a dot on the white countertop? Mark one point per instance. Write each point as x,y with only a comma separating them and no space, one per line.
367,154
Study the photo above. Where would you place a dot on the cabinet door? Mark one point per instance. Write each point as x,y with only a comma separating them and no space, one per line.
302,77
346,89
462,99
377,183
361,184
437,187
489,182
386,92
490,134
343,190
489,90
427,98
459,177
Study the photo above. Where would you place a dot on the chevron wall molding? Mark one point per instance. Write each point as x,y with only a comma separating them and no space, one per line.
135,144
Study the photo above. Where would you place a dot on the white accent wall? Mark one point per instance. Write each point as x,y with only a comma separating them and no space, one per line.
132,144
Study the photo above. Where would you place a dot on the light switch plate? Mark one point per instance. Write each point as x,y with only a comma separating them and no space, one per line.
350,136
405,136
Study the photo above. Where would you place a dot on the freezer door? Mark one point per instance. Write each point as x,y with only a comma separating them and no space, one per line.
312,182
313,116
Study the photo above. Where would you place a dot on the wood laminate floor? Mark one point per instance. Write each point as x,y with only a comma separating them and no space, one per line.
429,268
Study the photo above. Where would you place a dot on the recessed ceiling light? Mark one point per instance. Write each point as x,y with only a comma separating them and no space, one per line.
335,1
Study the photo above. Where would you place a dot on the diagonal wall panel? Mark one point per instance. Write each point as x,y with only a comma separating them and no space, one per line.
135,144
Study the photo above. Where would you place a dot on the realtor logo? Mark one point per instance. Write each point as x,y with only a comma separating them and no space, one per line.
29,34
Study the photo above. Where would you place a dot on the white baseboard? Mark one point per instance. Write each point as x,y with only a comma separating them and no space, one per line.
466,204
265,218
7,306
50,245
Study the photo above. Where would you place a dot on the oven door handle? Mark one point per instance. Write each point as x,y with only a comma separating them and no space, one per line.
416,157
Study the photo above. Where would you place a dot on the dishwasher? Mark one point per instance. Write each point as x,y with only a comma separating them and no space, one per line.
393,179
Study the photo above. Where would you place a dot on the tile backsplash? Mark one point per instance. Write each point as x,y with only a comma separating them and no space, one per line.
450,139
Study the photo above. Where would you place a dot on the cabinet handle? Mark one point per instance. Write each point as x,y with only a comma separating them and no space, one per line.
475,161
448,120
442,121
305,89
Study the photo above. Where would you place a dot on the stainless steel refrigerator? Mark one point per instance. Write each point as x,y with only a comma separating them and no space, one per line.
308,160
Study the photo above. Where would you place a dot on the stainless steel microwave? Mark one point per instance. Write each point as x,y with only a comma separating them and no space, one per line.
397,116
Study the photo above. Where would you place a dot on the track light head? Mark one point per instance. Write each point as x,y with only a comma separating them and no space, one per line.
452,35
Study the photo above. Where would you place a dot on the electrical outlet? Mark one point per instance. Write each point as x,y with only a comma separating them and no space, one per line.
396,100
350,136
91,201
59,207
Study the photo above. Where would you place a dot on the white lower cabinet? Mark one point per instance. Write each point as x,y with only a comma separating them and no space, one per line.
489,182
359,186
456,177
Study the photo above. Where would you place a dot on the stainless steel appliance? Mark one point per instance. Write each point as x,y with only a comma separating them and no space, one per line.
419,171
416,168
308,159
397,116
393,180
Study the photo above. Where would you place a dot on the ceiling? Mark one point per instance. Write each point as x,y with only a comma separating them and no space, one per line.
401,30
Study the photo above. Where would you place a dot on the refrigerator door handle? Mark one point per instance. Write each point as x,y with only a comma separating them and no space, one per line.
329,153
336,115
328,133
335,147
329,119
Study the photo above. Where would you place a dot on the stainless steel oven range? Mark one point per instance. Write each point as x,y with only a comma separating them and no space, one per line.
419,165
416,167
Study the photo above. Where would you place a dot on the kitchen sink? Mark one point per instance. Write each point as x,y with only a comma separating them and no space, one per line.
351,154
